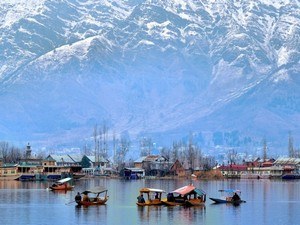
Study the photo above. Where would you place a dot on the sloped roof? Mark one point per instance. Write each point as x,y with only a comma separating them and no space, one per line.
150,158
92,158
140,160
76,158
61,158
184,190
234,167
287,160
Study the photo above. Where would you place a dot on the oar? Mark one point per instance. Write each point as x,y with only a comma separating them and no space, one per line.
69,202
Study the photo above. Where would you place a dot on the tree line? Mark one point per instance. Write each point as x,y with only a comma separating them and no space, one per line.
187,153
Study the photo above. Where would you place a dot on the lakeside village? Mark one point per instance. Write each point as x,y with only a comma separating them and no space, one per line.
55,167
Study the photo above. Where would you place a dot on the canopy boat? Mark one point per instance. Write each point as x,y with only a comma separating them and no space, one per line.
186,196
99,197
229,196
77,176
62,185
153,197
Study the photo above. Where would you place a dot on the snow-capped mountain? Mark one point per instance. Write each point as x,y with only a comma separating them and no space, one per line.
158,67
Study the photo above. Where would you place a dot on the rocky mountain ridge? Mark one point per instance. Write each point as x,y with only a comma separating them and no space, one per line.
149,67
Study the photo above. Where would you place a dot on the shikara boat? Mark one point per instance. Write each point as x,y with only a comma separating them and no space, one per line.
62,185
77,176
99,197
229,196
153,197
186,196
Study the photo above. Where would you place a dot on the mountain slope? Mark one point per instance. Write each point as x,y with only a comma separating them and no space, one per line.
156,67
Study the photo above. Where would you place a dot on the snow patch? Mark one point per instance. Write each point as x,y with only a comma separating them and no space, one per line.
152,25
283,56
15,10
281,76
146,42
275,3
64,53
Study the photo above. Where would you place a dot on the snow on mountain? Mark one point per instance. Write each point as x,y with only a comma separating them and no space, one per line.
149,67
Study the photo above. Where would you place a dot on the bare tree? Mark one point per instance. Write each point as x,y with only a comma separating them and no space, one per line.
232,156
96,146
86,150
145,146
115,143
191,153
4,151
264,149
103,140
208,162
291,146
174,154
122,152
15,154
41,154
166,152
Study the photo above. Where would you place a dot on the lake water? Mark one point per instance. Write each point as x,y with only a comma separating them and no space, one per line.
268,202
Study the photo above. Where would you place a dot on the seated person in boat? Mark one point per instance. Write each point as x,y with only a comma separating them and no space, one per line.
156,196
141,199
236,197
78,198
170,197
85,198
201,198
180,198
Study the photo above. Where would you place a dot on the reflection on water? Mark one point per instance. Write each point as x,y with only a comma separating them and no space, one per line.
186,215
268,202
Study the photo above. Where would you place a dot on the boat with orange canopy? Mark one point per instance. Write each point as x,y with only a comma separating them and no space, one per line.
187,195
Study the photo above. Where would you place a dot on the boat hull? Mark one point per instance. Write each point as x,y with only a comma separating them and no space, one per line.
167,203
191,202
194,202
148,203
68,188
93,203
77,176
219,200
290,176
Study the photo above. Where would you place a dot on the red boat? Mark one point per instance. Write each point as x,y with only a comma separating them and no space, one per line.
62,185
187,196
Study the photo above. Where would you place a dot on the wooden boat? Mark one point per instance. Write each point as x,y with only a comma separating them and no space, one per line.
96,199
62,185
77,176
290,176
229,196
31,177
186,196
153,197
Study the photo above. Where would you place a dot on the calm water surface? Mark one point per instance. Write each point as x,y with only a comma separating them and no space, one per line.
268,202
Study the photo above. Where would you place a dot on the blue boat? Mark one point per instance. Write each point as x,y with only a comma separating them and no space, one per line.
229,196
291,176
31,177
54,177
